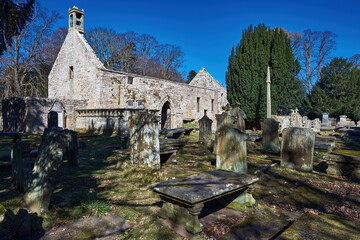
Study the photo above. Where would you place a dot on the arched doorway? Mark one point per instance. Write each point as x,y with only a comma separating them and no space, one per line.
166,116
59,110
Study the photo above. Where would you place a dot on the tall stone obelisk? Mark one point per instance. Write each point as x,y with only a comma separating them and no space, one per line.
268,95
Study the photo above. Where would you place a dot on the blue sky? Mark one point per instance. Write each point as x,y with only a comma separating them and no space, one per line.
207,30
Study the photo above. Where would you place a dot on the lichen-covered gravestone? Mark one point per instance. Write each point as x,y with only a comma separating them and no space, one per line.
297,148
316,125
342,121
270,135
53,143
71,153
205,134
231,150
285,123
20,165
238,116
144,140
307,124
295,119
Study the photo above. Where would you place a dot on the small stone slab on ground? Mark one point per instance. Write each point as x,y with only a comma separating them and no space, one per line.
104,228
322,226
263,224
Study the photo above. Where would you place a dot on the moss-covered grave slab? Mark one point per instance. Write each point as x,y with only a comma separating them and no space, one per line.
322,226
106,227
185,197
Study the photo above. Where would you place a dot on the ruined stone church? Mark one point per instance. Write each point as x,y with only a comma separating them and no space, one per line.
87,96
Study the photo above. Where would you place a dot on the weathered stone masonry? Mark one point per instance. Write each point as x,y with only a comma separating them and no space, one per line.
78,76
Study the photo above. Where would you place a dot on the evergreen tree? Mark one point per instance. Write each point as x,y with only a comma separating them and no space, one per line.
259,48
190,76
13,18
337,92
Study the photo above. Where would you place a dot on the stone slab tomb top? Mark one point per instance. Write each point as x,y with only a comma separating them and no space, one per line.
201,187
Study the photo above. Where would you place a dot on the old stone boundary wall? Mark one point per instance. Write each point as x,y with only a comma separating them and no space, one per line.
30,115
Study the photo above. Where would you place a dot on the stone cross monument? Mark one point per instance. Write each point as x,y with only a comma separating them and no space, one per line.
268,96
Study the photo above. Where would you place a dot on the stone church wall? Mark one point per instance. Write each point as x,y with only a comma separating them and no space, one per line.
30,115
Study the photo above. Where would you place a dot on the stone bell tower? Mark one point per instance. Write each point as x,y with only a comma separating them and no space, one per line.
76,19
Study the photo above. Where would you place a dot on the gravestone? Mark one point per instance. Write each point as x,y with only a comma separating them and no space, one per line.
144,140
307,124
316,125
285,123
332,122
358,124
50,155
238,115
20,165
205,134
270,133
325,119
295,119
304,119
53,119
343,121
231,150
352,124
297,148
71,153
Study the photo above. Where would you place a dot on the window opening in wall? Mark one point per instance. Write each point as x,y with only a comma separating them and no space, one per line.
130,80
212,105
130,103
198,104
71,72
71,20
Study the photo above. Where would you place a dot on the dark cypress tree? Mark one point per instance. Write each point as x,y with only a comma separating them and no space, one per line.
259,48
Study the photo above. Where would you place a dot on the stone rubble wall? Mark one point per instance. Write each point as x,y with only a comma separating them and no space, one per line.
153,93
105,120
30,115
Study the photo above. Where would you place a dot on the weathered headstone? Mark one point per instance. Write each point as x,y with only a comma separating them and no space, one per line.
304,119
231,150
295,119
238,116
297,148
50,155
325,119
316,125
285,123
270,132
358,124
53,119
352,124
20,165
307,124
342,121
205,134
144,140
71,153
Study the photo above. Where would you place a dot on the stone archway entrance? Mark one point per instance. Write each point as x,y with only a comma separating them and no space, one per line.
166,116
